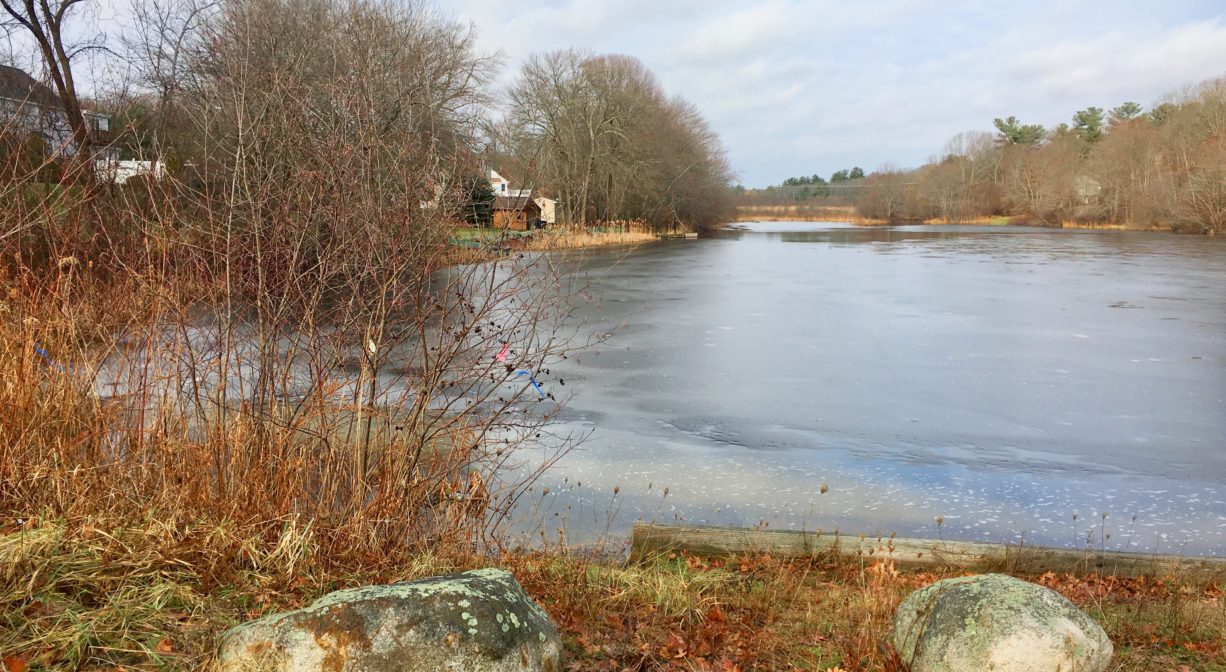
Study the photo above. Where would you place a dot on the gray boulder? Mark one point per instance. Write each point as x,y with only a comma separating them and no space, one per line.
478,621
996,623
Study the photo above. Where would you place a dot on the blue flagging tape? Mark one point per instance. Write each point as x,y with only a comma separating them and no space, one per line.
43,353
532,380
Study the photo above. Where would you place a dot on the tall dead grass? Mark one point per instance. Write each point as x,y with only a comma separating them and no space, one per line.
279,330
566,240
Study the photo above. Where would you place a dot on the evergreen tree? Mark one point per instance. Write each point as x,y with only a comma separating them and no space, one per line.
479,209
1013,132
1125,112
1089,123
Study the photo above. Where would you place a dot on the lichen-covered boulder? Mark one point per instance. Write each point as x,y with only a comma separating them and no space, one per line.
478,621
996,623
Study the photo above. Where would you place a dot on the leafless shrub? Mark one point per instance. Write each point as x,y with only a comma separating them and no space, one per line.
281,327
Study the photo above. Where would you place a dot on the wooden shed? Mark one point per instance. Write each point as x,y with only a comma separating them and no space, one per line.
515,213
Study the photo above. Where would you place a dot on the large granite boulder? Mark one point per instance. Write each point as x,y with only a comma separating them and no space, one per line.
998,623
478,621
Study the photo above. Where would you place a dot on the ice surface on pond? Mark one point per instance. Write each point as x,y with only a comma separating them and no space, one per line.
1017,383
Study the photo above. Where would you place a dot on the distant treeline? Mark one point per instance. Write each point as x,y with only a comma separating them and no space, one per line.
1165,167
835,177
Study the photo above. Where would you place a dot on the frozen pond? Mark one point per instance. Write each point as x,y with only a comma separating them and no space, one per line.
1017,383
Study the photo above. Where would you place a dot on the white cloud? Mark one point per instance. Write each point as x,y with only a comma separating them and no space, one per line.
1121,64
739,34
803,86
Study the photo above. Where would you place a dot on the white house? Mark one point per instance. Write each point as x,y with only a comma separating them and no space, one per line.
119,171
501,186
27,106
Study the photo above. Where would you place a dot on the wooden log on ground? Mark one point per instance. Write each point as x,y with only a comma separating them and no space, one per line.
650,540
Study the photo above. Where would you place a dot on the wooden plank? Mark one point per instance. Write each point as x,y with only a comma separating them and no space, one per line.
649,540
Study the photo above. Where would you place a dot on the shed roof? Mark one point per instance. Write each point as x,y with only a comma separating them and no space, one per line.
515,203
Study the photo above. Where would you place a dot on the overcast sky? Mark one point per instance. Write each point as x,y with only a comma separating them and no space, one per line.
812,86
797,87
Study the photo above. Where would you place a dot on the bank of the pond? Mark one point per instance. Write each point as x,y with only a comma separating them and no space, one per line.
564,240
496,240
787,213
803,213
93,593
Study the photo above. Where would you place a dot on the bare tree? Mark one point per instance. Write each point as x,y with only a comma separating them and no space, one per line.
165,38
885,195
600,132
45,22
284,328
1195,159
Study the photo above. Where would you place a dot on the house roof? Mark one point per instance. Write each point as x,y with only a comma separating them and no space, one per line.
19,85
514,203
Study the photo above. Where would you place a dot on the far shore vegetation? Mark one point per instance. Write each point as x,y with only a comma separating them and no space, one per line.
1129,168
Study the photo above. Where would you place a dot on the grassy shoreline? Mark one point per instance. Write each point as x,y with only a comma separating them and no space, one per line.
799,214
546,240
567,240
153,593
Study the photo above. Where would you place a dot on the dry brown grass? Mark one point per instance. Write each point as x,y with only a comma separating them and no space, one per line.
1108,226
135,526
155,592
566,240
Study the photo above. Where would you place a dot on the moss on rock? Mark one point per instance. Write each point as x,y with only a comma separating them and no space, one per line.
998,623
453,622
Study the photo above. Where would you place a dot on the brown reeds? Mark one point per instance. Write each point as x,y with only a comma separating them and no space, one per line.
268,361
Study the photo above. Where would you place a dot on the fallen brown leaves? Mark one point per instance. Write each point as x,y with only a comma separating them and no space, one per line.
765,613
677,613
1160,621
758,613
